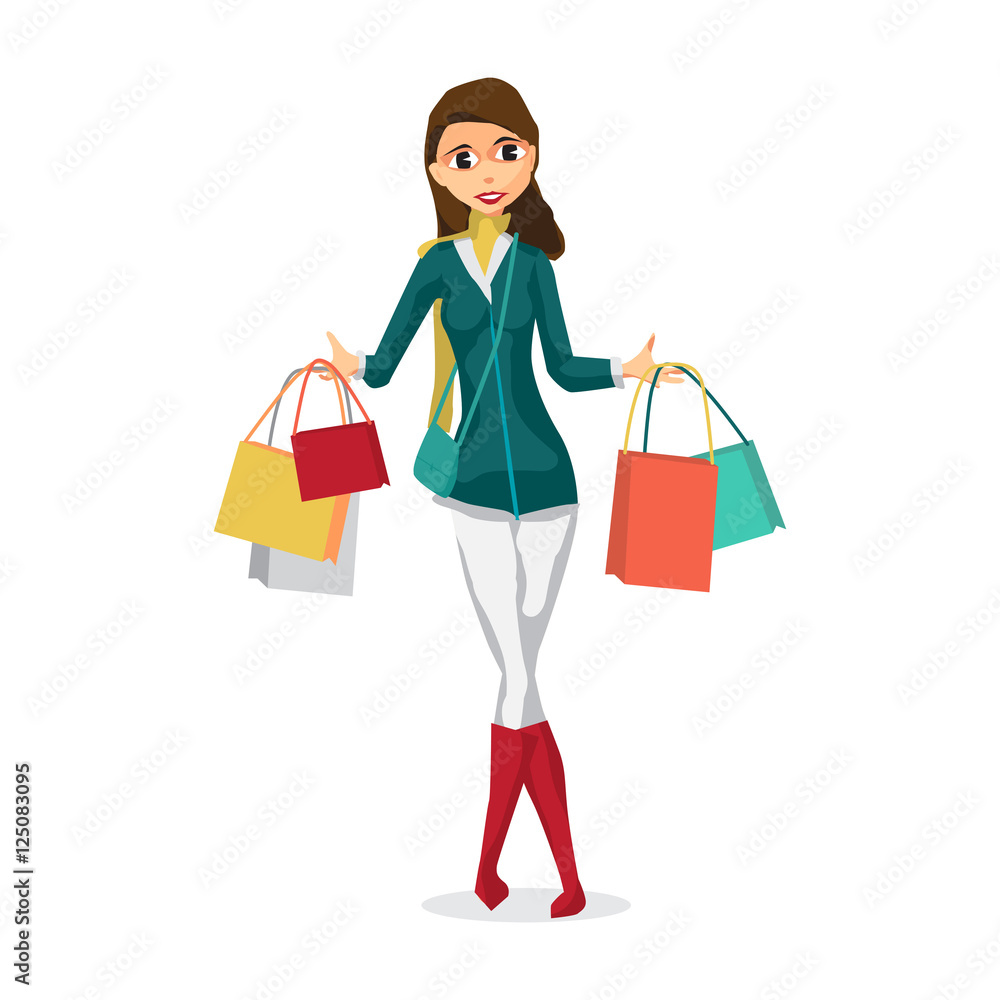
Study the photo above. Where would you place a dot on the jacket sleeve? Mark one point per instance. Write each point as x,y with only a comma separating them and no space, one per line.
572,373
418,296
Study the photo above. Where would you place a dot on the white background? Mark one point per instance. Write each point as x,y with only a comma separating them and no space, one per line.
633,148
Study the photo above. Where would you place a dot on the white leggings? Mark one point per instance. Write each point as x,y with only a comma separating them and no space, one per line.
513,569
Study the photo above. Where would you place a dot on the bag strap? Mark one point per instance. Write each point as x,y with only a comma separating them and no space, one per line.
328,365
486,370
302,391
347,418
444,396
496,342
638,389
718,406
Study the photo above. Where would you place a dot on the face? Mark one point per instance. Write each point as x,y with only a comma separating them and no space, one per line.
484,166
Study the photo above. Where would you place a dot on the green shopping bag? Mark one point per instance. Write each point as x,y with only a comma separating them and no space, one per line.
745,507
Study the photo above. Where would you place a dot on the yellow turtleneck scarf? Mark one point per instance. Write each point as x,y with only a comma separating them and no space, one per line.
484,230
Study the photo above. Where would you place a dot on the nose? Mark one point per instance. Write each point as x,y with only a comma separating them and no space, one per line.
487,180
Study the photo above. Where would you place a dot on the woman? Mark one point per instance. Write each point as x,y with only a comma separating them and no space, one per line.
514,503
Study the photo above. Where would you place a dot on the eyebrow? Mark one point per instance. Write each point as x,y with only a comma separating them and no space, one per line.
507,138
464,145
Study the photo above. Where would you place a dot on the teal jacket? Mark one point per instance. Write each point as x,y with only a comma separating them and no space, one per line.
540,465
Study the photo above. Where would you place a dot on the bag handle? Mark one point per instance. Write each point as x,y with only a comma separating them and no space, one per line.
302,391
489,360
274,402
718,405
635,398
348,417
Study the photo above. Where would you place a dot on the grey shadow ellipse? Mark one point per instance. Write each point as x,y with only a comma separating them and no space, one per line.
522,906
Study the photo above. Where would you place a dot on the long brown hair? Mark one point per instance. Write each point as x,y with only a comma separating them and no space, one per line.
491,100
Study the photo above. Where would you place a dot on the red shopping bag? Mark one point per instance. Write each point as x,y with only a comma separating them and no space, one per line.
663,515
334,461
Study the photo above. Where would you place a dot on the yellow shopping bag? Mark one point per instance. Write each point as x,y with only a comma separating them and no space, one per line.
262,502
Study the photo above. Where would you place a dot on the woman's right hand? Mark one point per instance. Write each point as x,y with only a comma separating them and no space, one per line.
343,360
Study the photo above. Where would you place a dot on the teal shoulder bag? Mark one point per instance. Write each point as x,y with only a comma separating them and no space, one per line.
437,460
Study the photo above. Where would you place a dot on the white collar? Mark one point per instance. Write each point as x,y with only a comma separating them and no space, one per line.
468,255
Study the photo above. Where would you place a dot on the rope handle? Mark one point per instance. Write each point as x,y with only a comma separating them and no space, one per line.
307,369
718,406
345,417
704,396
302,391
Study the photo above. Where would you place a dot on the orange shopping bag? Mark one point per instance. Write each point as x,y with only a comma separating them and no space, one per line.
663,514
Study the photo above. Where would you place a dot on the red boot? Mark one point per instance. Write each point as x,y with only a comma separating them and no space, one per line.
546,784
509,753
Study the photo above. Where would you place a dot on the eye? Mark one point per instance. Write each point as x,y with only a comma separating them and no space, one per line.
509,151
464,159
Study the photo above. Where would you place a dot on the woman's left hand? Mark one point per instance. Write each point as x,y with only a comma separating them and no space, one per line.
637,367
